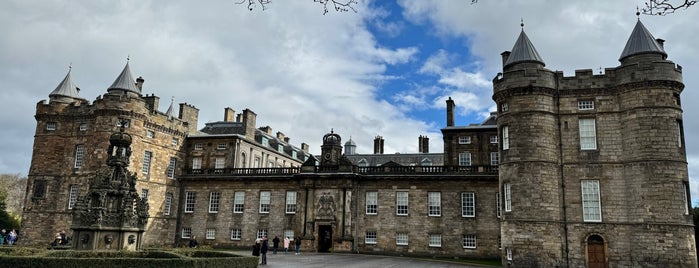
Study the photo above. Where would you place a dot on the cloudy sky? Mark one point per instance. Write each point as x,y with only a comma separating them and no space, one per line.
385,70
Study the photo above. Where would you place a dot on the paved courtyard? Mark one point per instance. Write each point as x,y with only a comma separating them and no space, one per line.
318,260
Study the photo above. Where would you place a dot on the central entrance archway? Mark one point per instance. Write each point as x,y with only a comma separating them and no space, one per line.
596,257
325,238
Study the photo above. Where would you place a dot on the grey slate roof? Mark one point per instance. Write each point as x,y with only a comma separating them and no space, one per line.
170,111
523,51
66,88
125,81
641,41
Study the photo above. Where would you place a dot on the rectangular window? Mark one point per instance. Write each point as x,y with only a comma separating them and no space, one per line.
51,126
289,234
497,205
189,201
280,148
371,202
402,203
588,135
468,204
494,158
72,196
586,105
79,155
265,142
493,138
198,146
465,159
82,127
210,233
221,146
236,234
680,137
171,168
144,193
147,157
261,233
290,202
508,254
469,241
505,107
506,138
220,163
175,142
685,197
264,201
464,139
294,155
258,162
196,163
214,199
402,239
150,134
168,204
239,202
434,206
508,197
591,201
39,189
187,232
370,237
435,240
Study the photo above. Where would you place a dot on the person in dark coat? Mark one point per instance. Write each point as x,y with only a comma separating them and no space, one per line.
256,248
298,245
193,242
263,250
275,242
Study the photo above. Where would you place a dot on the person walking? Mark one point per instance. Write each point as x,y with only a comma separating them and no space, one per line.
12,237
275,243
263,250
256,248
286,244
298,245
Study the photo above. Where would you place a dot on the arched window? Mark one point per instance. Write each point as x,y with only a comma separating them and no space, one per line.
242,160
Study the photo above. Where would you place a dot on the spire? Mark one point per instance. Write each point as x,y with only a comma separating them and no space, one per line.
523,51
125,81
641,41
170,111
66,88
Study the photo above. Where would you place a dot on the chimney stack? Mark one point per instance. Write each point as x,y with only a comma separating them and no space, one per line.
228,114
378,145
423,144
505,55
450,112
139,82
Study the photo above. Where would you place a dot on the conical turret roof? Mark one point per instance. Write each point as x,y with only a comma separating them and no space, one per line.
523,51
66,88
125,81
641,41
170,111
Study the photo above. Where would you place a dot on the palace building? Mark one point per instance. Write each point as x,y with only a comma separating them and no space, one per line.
570,171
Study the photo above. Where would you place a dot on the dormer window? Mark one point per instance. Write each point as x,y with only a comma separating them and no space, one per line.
265,141
280,148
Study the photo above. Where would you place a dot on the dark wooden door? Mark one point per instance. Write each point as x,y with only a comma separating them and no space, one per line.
595,255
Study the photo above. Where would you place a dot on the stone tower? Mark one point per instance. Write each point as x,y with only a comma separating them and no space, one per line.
593,168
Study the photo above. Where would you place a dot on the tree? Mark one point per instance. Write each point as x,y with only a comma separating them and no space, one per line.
338,5
12,190
664,7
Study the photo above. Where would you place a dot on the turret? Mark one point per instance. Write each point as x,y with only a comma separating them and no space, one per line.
66,91
124,84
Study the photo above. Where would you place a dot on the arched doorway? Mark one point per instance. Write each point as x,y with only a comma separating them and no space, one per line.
596,257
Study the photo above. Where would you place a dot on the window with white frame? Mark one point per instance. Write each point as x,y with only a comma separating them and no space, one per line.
175,142
497,205
147,157
468,204
150,134
198,146
370,237
171,168
168,204
264,141
261,233
469,240
505,107
508,197
591,201
402,203
144,193
586,105
290,202
210,233
434,206
220,163
402,239
79,155
289,233
685,197
187,232
236,234
214,201
72,196
464,139
506,138
221,146
264,201
239,202
371,202
465,159
435,240
196,163
189,201
493,138
508,254
280,148
294,154
82,127
51,126
588,134
494,158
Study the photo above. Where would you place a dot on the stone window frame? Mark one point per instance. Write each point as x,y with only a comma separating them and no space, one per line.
504,107
210,233
221,146
239,202
291,199
680,133
586,105
434,204
370,238
469,241
685,197
468,204
464,139
51,126
72,195
79,156
214,202
219,163
196,163
175,142
371,202
494,158
505,138
507,190
147,160
265,202
591,200
170,173
236,234
498,208
186,232
435,240
402,239
198,146
39,189
190,200
167,207
508,254
587,129
402,203
82,127
465,159
150,133
494,139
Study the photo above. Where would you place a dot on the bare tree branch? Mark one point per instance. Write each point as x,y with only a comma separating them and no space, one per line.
252,3
340,6
664,7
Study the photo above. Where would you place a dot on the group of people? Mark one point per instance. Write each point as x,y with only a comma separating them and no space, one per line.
60,240
262,246
8,238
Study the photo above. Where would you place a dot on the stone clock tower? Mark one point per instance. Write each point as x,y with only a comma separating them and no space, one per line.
331,150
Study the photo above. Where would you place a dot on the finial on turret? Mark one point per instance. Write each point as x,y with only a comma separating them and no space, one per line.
128,57
70,66
521,23
638,13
